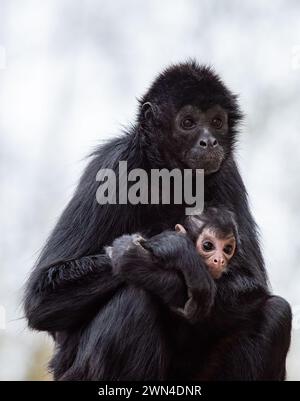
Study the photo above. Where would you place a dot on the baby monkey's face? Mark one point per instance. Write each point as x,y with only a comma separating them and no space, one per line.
216,250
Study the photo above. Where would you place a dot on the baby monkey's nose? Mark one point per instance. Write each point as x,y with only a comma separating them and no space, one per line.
219,261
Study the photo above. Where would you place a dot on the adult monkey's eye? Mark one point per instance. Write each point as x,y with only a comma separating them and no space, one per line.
188,123
207,246
217,122
228,249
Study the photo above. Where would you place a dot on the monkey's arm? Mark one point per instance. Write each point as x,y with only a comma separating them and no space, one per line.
135,265
68,285
63,295
168,266
177,252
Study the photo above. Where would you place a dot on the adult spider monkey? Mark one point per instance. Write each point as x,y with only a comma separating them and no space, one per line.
187,119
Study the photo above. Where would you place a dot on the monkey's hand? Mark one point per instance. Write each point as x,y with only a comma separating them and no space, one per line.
201,289
199,304
124,249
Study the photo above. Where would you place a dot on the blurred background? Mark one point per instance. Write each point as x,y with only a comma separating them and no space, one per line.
70,72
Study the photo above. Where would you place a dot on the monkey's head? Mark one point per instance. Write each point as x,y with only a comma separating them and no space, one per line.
192,116
215,236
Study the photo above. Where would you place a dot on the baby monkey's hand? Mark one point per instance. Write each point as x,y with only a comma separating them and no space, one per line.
124,247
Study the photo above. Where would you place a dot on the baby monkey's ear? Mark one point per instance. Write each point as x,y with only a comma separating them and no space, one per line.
180,229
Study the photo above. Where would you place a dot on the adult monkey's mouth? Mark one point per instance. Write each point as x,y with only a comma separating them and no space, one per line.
210,162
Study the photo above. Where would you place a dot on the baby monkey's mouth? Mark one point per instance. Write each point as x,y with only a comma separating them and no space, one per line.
216,274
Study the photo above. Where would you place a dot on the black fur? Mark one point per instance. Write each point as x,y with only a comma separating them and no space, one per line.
220,220
107,328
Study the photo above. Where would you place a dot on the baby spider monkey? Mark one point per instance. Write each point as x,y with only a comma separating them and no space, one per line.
215,236
168,264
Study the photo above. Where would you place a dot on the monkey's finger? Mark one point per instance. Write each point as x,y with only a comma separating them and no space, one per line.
137,239
109,251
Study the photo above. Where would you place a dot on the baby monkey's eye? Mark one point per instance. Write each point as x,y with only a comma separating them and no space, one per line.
207,246
228,249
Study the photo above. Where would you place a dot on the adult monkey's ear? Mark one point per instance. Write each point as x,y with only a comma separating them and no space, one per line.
148,110
180,229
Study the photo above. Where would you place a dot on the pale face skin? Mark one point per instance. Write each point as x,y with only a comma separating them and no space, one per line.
216,251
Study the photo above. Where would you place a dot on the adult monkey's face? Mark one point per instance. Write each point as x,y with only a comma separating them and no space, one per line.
192,117
200,137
